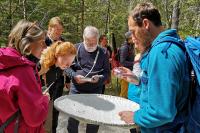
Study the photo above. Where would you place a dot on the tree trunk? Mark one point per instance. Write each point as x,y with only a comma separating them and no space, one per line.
198,25
107,18
82,14
24,8
166,3
175,15
77,23
10,14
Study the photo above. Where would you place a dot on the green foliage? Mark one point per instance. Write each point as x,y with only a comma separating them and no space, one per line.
109,16
190,18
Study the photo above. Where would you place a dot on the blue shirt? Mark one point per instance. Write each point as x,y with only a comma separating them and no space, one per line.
164,84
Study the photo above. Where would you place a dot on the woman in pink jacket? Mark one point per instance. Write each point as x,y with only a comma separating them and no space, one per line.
20,87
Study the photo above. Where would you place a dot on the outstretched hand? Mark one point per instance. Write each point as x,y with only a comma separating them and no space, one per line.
127,116
122,72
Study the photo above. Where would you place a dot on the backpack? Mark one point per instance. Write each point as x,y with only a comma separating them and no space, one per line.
117,55
115,58
191,47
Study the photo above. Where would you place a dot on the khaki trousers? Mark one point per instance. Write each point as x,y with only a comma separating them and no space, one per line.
124,88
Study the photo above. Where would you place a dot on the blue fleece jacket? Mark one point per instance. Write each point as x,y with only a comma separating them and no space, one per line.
164,85
134,93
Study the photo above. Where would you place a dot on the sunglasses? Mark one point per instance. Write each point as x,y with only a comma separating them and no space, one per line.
31,26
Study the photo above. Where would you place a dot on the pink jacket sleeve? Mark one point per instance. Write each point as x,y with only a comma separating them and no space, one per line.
32,103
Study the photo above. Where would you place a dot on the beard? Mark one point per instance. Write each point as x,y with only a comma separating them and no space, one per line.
145,38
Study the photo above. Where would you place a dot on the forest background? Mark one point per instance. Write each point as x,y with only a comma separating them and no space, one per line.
109,16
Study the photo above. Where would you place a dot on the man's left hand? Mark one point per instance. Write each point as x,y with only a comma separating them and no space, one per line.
95,79
127,116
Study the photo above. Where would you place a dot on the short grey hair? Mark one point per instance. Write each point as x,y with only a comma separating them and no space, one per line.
90,32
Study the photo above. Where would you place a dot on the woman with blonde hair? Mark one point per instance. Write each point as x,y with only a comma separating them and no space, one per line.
58,56
23,106
55,29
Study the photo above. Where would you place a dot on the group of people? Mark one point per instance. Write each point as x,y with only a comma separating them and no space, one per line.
33,56
24,106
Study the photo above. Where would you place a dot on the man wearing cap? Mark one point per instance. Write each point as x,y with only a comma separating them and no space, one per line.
126,60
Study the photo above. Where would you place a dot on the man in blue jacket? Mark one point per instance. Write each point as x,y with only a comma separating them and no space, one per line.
165,77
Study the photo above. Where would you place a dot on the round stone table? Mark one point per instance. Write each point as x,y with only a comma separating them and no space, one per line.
96,109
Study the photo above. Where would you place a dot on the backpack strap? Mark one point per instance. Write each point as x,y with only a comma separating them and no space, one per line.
9,120
171,40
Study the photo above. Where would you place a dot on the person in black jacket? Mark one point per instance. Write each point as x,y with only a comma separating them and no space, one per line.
91,62
55,74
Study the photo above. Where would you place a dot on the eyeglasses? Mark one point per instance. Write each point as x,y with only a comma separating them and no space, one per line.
27,29
31,26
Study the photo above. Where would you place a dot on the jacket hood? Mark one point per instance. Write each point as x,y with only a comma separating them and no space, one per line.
170,32
10,57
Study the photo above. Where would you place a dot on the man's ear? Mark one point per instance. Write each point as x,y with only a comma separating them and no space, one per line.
146,23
